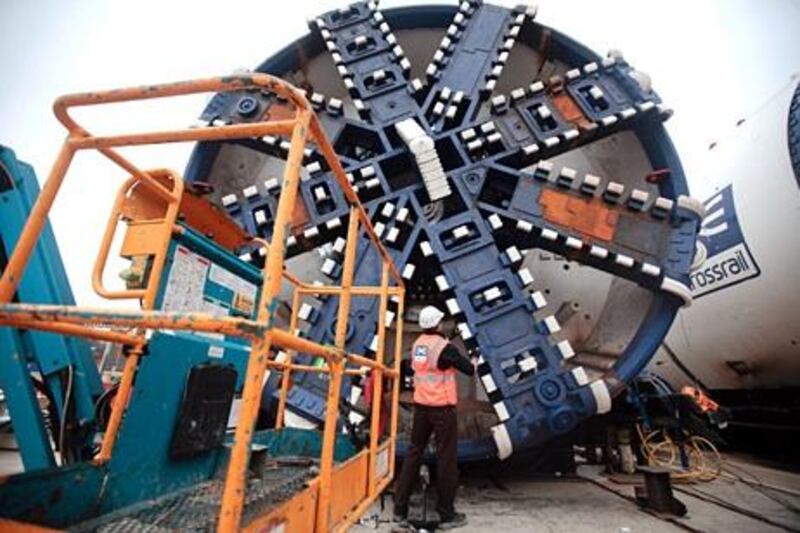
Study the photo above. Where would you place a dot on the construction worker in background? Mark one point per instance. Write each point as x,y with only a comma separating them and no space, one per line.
434,361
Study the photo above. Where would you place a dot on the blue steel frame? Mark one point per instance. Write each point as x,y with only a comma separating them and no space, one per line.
555,403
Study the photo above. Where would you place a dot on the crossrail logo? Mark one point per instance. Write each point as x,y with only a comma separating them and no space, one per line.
728,258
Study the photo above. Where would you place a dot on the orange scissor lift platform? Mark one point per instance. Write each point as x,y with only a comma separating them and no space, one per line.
319,493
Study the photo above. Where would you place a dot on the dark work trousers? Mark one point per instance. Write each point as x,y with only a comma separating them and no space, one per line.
443,423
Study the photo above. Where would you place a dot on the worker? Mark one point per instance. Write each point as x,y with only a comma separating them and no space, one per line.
434,361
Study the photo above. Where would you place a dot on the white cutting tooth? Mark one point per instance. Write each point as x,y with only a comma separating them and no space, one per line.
527,364
402,214
271,184
320,194
525,276
367,172
615,189
408,271
328,266
333,223
609,120
314,167
339,245
465,332
624,260
260,217
549,234
492,293
311,232
552,325
539,300
651,269
468,135
602,396
488,383
305,311
590,183
387,209
551,141
646,106
580,376
379,228
502,412
588,68
452,306
525,226
373,346
565,348
426,248
441,282
544,112
495,221
392,235
513,254
250,192
530,149
494,138
461,231
475,146
639,196
229,200
536,87
574,243
567,176
663,204
572,74
598,252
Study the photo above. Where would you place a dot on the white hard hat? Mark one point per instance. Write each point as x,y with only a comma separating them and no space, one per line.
430,317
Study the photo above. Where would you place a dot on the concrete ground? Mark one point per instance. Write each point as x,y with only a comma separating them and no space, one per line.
735,502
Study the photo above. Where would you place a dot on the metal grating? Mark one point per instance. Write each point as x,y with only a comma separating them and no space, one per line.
197,508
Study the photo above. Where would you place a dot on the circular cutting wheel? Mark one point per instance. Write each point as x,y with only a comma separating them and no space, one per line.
522,183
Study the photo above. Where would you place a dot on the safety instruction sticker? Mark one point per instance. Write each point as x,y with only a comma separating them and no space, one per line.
244,292
186,281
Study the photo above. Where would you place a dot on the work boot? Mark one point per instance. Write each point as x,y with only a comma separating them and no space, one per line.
400,519
454,521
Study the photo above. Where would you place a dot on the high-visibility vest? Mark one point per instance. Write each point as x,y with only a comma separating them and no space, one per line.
432,386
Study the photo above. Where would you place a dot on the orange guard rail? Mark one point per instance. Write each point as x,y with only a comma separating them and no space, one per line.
167,189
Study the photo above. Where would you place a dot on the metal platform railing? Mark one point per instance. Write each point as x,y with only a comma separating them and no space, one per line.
166,190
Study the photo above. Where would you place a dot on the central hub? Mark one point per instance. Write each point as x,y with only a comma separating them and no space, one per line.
423,149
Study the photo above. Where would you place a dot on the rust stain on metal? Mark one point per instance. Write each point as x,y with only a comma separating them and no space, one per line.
587,216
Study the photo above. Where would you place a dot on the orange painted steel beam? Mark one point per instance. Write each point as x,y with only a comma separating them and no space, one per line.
398,357
335,382
74,330
236,477
11,314
377,384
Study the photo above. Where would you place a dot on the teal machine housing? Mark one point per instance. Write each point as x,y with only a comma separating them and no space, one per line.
148,460
55,360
